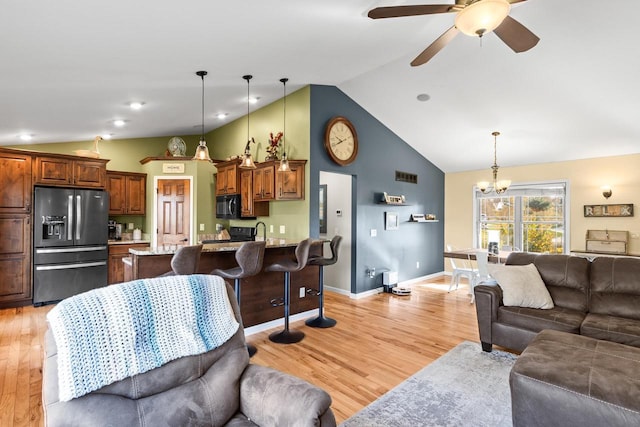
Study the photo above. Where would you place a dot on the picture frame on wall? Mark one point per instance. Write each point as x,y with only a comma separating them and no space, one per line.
619,210
391,221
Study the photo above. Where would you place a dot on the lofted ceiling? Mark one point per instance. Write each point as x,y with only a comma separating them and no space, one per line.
69,68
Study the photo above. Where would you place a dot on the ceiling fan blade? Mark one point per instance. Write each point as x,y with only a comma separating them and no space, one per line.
397,11
435,47
515,35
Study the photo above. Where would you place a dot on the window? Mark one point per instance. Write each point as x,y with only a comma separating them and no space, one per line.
530,217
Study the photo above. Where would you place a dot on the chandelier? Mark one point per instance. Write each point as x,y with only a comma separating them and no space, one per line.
498,186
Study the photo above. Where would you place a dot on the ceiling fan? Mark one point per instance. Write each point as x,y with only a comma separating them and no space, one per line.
473,18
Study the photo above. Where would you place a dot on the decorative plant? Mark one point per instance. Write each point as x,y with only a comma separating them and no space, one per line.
274,144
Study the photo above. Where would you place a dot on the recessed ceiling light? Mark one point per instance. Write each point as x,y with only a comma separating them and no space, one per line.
26,137
423,97
136,105
107,135
222,116
119,123
254,100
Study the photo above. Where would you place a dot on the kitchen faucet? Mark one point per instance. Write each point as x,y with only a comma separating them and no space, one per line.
264,228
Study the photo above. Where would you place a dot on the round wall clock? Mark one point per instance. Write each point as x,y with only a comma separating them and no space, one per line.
341,141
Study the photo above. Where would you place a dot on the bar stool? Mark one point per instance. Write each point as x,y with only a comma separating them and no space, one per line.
287,267
185,261
321,262
249,258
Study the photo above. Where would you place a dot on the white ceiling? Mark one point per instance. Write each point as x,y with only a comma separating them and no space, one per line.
69,68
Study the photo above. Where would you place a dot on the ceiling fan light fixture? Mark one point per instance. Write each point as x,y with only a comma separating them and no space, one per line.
482,17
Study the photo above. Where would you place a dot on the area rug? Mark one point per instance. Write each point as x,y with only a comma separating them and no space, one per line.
465,387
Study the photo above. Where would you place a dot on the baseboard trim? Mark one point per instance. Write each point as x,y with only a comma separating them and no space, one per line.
279,322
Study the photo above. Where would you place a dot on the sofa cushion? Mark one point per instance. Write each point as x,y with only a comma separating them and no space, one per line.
521,286
611,328
615,287
532,319
570,380
566,277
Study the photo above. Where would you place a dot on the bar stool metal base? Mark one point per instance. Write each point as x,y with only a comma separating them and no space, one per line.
321,322
287,337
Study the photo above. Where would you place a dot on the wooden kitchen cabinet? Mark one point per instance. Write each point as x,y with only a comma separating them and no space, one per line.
15,182
15,260
290,185
248,206
264,182
117,252
228,178
15,227
127,193
61,170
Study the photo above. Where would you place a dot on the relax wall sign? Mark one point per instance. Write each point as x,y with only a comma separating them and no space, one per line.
608,210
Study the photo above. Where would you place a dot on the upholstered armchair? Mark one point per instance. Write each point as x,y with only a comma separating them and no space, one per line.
216,388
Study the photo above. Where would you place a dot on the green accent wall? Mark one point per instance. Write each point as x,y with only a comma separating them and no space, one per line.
230,140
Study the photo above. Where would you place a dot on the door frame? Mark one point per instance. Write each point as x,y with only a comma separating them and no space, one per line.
154,234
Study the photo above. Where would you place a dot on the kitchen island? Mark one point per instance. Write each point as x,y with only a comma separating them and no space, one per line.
256,291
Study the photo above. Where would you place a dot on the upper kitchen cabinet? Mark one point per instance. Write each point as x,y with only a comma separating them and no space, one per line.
127,193
15,176
228,178
264,182
290,185
249,208
61,170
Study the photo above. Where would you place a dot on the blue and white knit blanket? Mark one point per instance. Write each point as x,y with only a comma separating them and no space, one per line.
111,333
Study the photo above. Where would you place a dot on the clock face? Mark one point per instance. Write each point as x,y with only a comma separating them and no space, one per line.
341,141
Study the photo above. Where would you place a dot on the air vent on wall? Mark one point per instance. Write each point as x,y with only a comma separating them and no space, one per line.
406,177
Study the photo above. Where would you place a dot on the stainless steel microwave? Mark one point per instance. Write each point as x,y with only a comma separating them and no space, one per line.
228,206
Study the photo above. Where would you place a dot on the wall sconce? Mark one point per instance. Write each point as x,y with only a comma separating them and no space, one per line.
606,191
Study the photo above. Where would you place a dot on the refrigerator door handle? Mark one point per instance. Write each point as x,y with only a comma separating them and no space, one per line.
68,266
70,218
79,212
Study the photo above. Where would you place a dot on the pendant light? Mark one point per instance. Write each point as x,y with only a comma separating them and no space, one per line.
247,161
499,186
284,162
202,152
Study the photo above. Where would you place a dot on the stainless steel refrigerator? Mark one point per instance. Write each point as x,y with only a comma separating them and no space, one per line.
69,242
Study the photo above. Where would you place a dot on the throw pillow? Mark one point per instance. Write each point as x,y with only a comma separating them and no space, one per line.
521,286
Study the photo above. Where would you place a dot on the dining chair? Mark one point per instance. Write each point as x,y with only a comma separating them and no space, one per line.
482,275
460,268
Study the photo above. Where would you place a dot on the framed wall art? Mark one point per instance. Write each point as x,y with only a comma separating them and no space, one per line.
620,210
391,221
322,215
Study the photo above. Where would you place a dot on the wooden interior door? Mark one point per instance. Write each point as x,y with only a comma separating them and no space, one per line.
173,212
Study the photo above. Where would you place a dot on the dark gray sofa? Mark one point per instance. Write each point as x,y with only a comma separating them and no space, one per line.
599,299
216,388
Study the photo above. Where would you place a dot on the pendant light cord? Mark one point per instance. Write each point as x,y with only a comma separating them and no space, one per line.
202,137
284,81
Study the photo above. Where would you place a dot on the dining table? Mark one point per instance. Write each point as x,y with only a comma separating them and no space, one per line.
470,254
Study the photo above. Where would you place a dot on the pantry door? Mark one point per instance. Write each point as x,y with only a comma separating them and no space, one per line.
173,214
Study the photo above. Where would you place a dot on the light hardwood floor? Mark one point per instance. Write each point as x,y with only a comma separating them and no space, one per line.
378,342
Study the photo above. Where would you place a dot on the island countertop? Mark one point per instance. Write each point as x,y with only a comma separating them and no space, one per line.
219,247
257,292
